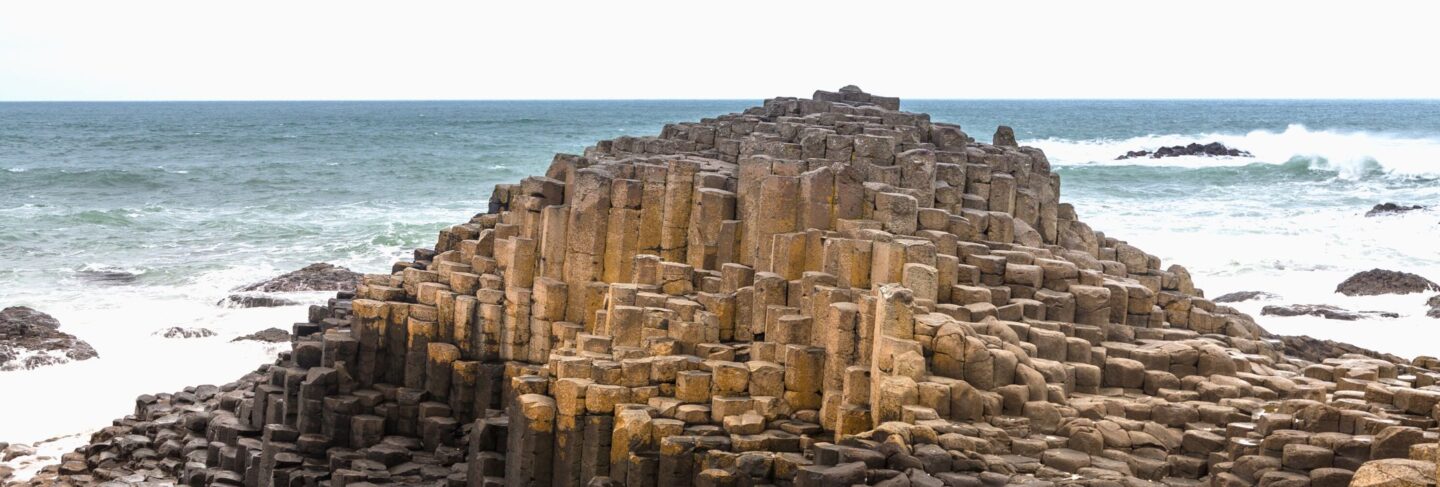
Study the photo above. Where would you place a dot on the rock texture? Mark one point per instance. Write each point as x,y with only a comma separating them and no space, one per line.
1375,282
814,292
30,339
252,300
1212,149
313,277
271,335
180,332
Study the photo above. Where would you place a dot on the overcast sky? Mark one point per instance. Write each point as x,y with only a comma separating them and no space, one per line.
525,49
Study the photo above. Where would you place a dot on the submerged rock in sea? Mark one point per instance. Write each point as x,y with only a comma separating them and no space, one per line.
1242,296
313,277
814,292
1213,149
271,335
180,332
30,339
1375,282
253,300
1324,311
1391,209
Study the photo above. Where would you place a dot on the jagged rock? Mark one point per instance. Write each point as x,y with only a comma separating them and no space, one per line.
1193,149
1241,296
1005,137
1375,282
1434,304
179,332
30,339
255,301
1324,311
271,335
313,277
1391,209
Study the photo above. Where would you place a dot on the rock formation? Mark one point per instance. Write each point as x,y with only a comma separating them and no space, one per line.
1324,311
1213,149
1375,282
313,277
814,292
30,339
1242,296
1391,209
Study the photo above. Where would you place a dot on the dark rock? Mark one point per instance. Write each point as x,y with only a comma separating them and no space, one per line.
107,277
1434,304
1317,350
1391,209
1324,311
1375,282
272,335
1213,149
313,277
25,332
178,332
1240,296
1005,137
255,301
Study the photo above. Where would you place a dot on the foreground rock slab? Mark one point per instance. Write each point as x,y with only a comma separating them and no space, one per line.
30,339
813,292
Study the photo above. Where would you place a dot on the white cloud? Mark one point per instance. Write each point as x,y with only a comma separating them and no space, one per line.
739,49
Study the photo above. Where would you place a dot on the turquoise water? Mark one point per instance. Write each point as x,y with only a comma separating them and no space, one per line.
124,218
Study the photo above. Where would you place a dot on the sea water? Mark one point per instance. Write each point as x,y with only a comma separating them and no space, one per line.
122,219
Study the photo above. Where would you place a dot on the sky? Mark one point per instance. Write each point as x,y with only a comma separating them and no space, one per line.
737,49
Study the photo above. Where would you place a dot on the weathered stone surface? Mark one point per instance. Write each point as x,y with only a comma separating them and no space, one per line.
30,339
1380,281
313,277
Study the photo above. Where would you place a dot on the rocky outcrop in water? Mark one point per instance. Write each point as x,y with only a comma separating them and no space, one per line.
1375,282
252,300
30,339
313,277
1434,304
1213,149
181,332
1242,296
1324,311
813,292
269,335
1384,209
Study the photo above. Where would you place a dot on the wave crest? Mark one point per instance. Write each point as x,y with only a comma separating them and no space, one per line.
1347,154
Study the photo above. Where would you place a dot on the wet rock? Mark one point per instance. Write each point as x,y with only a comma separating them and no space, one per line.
16,451
1213,149
1375,282
313,277
1316,350
1324,311
271,335
179,332
255,301
1241,296
1434,304
107,277
1391,209
30,339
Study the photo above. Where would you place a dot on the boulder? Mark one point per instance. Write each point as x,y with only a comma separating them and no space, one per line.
313,277
30,339
1005,137
1324,311
1241,296
271,335
1395,472
1391,209
1375,282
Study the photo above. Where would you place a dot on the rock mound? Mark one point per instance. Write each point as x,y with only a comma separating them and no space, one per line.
1375,282
180,332
251,300
1213,149
822,291
30,339
1391,209
270,335
1242,296
1324,311
313,277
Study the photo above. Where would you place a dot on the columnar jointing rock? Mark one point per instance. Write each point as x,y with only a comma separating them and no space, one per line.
813,292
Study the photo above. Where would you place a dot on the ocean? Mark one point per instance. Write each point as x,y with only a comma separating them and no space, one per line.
121,219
